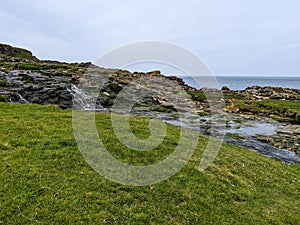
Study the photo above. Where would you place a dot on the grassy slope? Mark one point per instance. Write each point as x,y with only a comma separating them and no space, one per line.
45,179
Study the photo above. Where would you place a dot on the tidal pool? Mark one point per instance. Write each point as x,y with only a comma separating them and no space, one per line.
244,130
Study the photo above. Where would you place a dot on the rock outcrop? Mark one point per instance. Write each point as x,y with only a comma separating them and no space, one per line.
264,93
10,51
25,79
28,87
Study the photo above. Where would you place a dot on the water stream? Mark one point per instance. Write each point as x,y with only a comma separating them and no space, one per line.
22,100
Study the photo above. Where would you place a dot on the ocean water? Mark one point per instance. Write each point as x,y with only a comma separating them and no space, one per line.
242,82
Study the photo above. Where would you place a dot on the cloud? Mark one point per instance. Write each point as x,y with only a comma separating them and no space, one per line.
231,36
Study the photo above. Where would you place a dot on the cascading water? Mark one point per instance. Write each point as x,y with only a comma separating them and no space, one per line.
22,100
82,100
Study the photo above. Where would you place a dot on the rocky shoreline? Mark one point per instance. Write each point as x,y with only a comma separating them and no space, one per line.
25,79
53,87
259,94
265,93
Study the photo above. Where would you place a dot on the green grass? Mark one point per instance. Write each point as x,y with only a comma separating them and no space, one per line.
3,98
24,54
197,95
277,109
36,66
201,96
275,105
279,105
3,83
19,53
44,179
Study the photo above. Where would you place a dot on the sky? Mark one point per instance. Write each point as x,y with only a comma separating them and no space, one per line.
260,37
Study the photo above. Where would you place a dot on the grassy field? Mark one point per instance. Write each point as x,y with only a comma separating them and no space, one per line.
45,180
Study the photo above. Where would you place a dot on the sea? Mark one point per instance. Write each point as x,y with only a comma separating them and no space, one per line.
242,82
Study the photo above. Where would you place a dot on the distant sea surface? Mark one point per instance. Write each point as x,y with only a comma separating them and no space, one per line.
242,82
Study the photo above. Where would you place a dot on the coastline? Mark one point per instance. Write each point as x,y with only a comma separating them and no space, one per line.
46,179
24,81
241,82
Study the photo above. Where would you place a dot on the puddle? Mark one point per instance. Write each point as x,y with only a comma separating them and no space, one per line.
257,128
248,128
236,125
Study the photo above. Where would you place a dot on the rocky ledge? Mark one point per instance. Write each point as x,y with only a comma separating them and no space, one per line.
264,93
287,136
281,104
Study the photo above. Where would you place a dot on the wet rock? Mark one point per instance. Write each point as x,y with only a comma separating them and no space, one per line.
263,138
27,87
287,136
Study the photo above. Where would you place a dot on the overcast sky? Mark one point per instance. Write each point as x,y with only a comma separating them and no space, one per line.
231,36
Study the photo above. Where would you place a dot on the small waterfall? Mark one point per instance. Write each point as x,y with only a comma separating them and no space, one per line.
22,100
83,100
